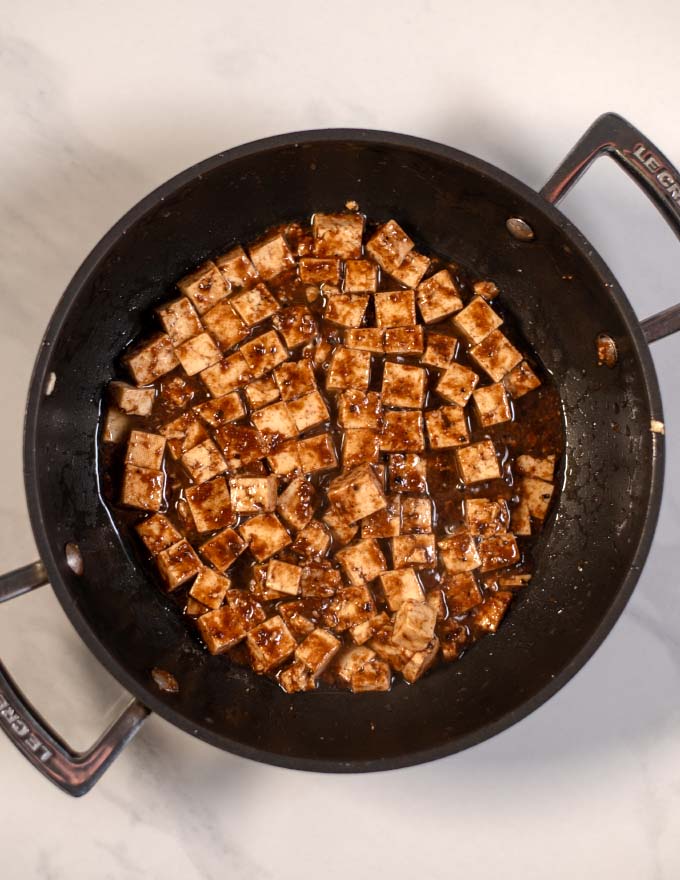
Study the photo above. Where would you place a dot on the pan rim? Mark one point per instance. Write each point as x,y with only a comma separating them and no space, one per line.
31,451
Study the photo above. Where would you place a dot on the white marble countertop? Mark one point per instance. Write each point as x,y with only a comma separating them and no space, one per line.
102,102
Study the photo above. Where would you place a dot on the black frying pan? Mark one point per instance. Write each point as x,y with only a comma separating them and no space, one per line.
562,295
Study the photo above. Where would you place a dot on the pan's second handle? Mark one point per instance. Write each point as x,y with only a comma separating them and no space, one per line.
74,772
613,136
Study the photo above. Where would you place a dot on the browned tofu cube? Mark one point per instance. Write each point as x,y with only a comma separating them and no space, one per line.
264,352
178,564
319,581
359,409
241,445
308,411
414,625
478,462
221,410
271,257
295,379
224,549
131,400
374,675
145,450
225,325
537,495
209,588
255,305
362,562
319,270
157,533
389,245
453,639
498,551
400,586
404,340
282,577
142,487
383,523
403,386
438,297
396,656
284,459
486,617
521,380
204,287
366,339
360,276
261,392
151,360
210,505
435,599
343,530
357,494
338,235
477,320
459,553
183,433
296,503
350,660
411,270
395,308
265,535
194,608
416,515
486,517
221,629
457,383
176,392
447,427
300,616
407,473
350,607
417,551
492,405
204,462
420,662
486,289
313,542
365,630
440,350
360,445
270,644
296,678
296,324
462,592
179,320
274,423
236,268
402,432
346,309
253,494
317,453
495,355
534,466
227,375
317,650
116,426
349,368
520,519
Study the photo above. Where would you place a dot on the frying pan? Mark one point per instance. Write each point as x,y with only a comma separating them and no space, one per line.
562,296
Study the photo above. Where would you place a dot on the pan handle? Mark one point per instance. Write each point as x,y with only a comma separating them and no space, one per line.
73,772
650,169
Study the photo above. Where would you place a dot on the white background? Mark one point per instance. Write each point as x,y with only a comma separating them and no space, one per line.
99,103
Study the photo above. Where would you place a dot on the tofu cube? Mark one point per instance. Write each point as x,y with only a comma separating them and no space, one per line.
462,592
198,354
435,599
116,426
420,662
264,352
404,340
236,268
438,297
204,462
131,400
204,287
145,450
295,379
401,586
447,427
389,245
338,235
225,627
366,339
362,562
457,383
498,551
296,324
486,618
225,325
241,446
403,386
350,607
317,650
402,432
282,577
284,459
485,289
313,542
157,533
319,582
365,630
265,535
343,530
194,608
375,675
346,309
350,660
414,625
485,517
359,409
384,523
478,462
261,392
274,423
495,355
395,308
514,581
520,519
223,549
179,320
209,588
477,320
178,564
253,494
407,473
459,553
183,434
537,495
453,639
255,305
360,276
359,446
177,392
227,375
411,270
535,466
308,411
319,270
440,350
221,410
417,551
357,494
296,678
210,505
349,368
492,405
270,644
142,488
521,380
296,503
416,515
317,453
151,360
271,257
